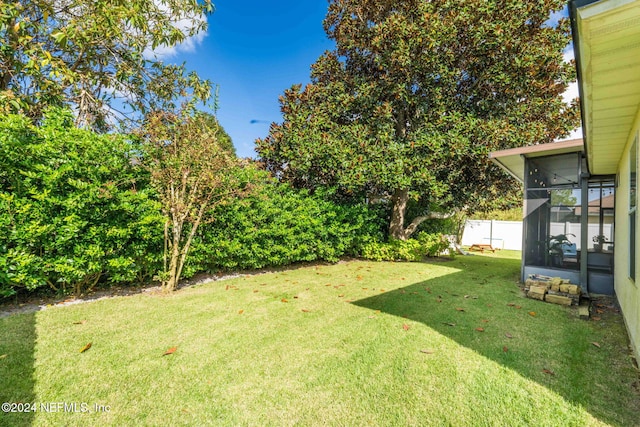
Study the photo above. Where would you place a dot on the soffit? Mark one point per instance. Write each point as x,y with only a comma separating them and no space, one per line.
609,62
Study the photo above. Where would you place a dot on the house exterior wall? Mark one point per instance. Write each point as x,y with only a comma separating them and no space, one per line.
627,290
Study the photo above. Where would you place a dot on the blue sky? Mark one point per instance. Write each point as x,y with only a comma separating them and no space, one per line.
253,51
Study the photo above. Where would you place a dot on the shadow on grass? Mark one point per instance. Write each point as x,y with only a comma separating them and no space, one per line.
17,382
482,308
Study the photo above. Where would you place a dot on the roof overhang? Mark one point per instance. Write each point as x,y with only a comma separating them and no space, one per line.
512,160
606,38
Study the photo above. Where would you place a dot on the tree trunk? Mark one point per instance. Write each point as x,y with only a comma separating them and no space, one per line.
171,282
192,233
396,227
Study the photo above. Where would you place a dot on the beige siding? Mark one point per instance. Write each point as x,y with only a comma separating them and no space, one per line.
627,291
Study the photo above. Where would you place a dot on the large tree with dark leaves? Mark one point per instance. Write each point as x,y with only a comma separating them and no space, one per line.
416,94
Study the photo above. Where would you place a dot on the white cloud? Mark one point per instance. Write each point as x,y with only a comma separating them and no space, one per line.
569,53
575,134
184,24
572,91
188,45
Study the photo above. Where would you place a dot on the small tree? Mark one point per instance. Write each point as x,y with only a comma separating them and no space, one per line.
192,172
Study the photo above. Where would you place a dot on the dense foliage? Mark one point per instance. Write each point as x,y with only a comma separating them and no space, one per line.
424,245
97,56
279,225
77,210
74,208
415,96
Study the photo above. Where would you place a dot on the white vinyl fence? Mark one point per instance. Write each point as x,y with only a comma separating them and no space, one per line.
500,234
508,234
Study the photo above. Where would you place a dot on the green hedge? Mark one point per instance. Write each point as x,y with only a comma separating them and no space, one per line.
279,226
424,245
74,208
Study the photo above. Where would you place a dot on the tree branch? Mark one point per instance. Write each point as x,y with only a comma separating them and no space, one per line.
419,220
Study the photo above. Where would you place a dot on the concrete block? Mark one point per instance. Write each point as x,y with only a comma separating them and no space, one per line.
558,299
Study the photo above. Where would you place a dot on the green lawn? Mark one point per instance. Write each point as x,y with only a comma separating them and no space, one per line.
357,343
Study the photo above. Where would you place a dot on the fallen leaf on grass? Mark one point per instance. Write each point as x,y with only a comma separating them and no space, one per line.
532,313
381,290
85,348
485,320
405,327
459,309
341,295
170,351
240,311
3,356
596,344
511,304
480,329
548,372
304,310
255,291
596,318
599,311
508,335
505,349
425,351
449,324
518,307
82,322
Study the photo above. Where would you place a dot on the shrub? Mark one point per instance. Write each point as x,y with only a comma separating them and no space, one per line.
74,209
278,226
433,244
423,245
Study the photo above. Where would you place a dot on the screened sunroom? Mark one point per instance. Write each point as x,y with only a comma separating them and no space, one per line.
568,215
